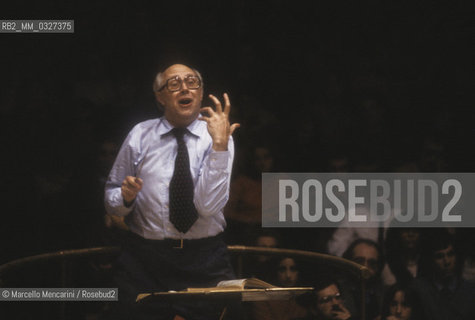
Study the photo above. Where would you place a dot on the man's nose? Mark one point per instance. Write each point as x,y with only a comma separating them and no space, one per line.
184,87
398,308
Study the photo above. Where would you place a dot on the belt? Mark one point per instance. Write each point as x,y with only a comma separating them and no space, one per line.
182,243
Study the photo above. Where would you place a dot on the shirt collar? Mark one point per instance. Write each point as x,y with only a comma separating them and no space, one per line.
195,128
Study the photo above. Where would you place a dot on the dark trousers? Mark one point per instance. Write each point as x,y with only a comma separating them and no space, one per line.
156,266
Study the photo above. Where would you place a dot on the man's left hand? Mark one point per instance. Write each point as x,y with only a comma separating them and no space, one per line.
341,314
219,127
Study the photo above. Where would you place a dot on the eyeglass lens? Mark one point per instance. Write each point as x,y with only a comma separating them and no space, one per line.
327,299
191,82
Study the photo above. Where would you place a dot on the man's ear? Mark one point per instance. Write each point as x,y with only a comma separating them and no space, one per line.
159,97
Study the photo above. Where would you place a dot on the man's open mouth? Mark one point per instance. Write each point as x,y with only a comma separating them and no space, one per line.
185,101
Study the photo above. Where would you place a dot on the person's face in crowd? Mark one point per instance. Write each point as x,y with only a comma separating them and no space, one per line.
263,159
287,273
329,303
399,308
367,256
409,238
445,261
182,106
266,242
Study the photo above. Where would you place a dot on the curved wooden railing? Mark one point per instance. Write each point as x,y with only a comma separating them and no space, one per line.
67,257
356,269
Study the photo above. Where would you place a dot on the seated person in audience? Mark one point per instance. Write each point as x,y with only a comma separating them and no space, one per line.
286,274
443,293
403,252
258,266
266,239
327,301
347,233
400,303
367,253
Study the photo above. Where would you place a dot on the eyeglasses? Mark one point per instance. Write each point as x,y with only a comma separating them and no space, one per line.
327,299
372,263
175,83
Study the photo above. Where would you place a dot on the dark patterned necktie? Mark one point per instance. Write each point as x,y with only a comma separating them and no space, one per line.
183,213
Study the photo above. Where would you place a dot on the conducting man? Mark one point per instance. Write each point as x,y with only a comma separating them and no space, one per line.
171,181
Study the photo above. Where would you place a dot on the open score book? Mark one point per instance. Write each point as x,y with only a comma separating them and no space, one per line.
238,284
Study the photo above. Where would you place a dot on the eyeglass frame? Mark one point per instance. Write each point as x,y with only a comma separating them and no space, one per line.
181,83
327,299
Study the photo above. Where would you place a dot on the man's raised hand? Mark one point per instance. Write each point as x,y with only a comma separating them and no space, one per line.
219,127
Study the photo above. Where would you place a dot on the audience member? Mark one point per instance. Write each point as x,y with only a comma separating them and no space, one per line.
400,303
347,233
327,301
465,242
286,273
367,253
266,239
403,252
258,266
443,293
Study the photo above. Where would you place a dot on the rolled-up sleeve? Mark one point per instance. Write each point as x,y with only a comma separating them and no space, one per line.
212,189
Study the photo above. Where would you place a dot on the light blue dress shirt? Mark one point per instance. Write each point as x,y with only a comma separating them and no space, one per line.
149,153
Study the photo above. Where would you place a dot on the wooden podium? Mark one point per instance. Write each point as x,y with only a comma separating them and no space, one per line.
248,289
261,294
227,293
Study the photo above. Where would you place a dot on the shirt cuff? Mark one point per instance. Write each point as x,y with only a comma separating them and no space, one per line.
118,207
218,159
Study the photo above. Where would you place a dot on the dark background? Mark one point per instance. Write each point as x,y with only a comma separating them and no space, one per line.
385,86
